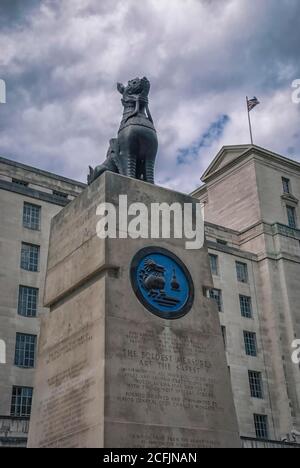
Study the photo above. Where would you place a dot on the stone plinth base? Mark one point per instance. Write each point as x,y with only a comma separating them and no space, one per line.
111,373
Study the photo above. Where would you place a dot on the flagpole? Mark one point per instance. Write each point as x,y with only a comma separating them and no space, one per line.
249,120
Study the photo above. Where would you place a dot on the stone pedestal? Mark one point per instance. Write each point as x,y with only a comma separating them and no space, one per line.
110,373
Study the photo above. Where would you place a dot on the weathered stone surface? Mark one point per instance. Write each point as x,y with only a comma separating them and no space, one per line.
110,373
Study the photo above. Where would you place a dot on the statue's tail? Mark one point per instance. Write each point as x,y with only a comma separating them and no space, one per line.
90,175
149,114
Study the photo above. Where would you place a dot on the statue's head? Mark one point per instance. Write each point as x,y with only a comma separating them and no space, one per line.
135,86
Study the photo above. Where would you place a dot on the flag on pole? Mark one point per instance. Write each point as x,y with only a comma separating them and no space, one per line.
252,103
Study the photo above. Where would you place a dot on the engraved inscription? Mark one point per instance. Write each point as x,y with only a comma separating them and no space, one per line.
68,345
165,370
70,391
161,439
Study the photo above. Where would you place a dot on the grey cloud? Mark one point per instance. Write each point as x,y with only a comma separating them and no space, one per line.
62,58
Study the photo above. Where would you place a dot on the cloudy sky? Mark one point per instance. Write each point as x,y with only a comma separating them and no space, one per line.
61,60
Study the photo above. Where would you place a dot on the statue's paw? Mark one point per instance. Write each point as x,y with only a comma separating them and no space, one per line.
121,88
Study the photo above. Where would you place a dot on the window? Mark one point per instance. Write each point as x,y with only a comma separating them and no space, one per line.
60,194
216,294
242,272
20,182
21,401
25,350
256,387
250,343
291,213
246,306
28,298
30,257
261,426
31,216
214,264
222,242
224,334
286,185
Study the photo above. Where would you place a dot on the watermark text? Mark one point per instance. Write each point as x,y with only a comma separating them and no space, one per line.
296,353
2,92
2,352
157,221
296,93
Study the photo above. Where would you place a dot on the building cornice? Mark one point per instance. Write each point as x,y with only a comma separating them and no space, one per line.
51,175
33,193
221,228
232,251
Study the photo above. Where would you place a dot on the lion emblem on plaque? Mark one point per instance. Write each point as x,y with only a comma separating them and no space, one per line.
162,283
152,278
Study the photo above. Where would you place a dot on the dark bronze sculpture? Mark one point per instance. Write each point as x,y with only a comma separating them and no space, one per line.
133,153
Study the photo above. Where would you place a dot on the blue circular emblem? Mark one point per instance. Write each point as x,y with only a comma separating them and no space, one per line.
162,283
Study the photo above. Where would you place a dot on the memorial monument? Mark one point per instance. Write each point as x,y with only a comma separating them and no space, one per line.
133,153
131,353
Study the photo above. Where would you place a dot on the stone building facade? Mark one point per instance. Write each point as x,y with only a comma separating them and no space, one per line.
252,215
29,198
253,233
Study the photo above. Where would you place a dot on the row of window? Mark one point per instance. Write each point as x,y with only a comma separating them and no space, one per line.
250,342
30,252
25,349
241,269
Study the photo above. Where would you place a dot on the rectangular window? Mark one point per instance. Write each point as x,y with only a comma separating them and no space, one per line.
60,194
214,264
28,299
30,257
242,272
32,216
256,386
20,182
286,184
261,425
21,401
250,343
25,350
291,213
246,306
224,334
222,242
216,294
